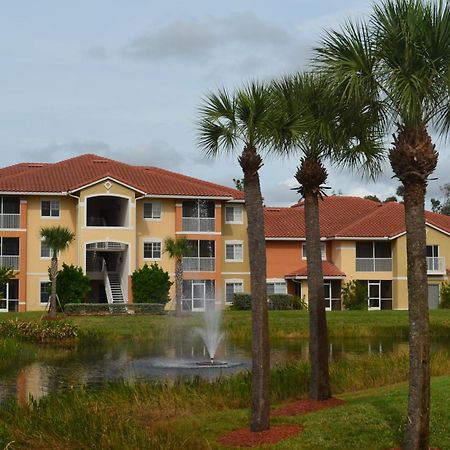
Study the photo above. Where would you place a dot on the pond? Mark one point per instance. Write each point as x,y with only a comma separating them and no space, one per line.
168,359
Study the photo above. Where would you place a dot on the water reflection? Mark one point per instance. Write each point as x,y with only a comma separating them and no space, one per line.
171,359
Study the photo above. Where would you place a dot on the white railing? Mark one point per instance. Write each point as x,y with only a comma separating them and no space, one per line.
199,224
436,265
106,246
379,303
197,304
108,291
9,220
373,264
201,264
10,261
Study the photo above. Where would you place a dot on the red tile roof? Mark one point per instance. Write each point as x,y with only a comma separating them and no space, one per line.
346,217
72,174
328,268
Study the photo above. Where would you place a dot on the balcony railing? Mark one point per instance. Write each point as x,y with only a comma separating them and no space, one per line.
205,224
9,220
201,264
373,264
10,261
436,265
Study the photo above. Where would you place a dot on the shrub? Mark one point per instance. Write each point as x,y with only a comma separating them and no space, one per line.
72,286
150,284
355,295
445,295
108,308
242,302
42,331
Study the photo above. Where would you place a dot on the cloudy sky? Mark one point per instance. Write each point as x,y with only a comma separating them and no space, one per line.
125,80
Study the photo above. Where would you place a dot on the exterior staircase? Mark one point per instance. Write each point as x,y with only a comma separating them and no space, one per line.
116,288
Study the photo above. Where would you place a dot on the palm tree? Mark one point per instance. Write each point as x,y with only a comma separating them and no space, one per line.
57,238
314,117
177,249
402,57
227,121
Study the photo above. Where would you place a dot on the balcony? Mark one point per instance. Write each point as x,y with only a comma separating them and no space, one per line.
201,264
436,265
373,264
11,261
9,220
199,224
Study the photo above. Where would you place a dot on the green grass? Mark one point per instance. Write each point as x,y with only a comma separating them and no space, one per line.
237,324
193,414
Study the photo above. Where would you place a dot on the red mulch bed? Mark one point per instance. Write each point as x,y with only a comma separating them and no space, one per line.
306,406
246,438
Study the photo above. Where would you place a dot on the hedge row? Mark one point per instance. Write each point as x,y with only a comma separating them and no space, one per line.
108,308
275,302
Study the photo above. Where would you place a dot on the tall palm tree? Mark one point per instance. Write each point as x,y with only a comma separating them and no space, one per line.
177,249
402,57
57,238
313,118
226,122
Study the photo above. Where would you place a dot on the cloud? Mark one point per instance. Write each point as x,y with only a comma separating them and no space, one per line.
201,39
97,52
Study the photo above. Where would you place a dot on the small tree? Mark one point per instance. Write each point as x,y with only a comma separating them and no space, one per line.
355,295
445,295
150,284
73,285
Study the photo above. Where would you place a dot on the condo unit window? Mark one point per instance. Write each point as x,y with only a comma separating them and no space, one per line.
44,295
107,211
152,250
9,205
198,295
45,250
231,288
276,287
379,249
202,249
234,251
50,208
234,214
198,209
433,251
152,210
323,251
9,296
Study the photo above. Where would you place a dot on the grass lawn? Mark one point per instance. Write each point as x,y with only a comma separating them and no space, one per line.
237,324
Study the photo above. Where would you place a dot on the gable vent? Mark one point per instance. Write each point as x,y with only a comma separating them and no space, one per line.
100,161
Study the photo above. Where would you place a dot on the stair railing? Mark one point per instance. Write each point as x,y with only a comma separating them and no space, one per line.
108,290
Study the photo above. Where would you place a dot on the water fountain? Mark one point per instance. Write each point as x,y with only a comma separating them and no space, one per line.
212,337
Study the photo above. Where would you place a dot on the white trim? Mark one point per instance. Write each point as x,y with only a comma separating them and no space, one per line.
152,219
99,180
234,273
50,217
23,201
15,229
304,277
216,233
345,247
356,238
285,239
40,285
400,278
17,193
275,280
189,197
435,227
36,274
233,281
234,243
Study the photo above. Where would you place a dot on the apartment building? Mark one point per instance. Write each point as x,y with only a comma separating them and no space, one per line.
361,240
120,215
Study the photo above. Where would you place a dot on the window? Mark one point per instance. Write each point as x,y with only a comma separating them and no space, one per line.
45,250
432,251
276,287
50,208
152,250
232,287
198,295
152,210
44,295
234,251
198,216
234,214
322,251
9,205
373,256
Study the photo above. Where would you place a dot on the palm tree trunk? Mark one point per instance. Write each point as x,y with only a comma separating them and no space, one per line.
178,287
417,426
250,162
53,273
319,387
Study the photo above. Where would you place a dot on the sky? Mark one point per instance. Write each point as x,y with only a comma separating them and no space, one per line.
125,80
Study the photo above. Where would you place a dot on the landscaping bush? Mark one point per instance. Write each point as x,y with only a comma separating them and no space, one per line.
73,285
445,295
242,302
150,284
355,295
108,308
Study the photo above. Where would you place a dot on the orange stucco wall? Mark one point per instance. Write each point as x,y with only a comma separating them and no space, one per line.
282,258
